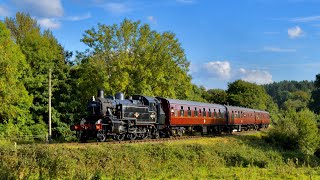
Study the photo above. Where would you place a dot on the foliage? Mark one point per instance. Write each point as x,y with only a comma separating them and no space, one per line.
315,96
245,94
296,131
297,100
203,158
217,96
133,59
42,52
14,98
290,94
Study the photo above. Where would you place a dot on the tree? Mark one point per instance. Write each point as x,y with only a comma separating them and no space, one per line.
42,52
298,100
133,59
314,104
284,90
245,94
14,98
218,96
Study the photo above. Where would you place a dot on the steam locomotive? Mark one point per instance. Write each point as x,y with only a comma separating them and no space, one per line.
140,117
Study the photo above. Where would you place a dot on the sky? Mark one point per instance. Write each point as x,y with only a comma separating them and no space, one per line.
259,41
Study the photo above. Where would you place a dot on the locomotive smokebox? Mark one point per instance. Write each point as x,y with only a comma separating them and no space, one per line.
120,96
100,93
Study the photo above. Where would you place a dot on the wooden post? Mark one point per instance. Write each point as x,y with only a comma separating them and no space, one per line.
49,138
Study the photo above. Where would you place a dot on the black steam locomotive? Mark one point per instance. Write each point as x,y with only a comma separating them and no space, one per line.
137,117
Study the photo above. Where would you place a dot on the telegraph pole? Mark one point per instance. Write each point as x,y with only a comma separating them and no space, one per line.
49,137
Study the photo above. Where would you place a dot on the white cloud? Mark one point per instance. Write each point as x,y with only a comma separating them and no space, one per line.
117,8
49,23
79,18
218,73
219,69
152,19
306,19
255,76
42,8
4,11
295,32
277,49
185,1
272,49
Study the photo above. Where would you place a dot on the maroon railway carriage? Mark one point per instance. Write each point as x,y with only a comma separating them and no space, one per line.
262,118
210,118
192,115
245,119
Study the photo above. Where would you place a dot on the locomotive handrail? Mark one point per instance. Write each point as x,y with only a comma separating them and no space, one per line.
129,118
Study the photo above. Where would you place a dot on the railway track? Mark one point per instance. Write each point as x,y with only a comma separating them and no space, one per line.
159,140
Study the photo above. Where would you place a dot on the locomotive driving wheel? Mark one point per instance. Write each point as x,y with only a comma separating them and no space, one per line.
118,137
131,136
101,136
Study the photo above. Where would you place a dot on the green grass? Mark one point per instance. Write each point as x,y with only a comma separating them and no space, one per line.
234,157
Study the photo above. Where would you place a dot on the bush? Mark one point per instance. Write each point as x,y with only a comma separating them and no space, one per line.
296,131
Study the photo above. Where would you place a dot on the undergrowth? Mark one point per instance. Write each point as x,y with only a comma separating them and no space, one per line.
236,157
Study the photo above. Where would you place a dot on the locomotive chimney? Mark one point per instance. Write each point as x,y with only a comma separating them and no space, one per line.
100,93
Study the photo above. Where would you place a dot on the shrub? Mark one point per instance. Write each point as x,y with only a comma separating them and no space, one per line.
296,131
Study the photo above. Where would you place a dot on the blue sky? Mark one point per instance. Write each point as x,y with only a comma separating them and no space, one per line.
259,41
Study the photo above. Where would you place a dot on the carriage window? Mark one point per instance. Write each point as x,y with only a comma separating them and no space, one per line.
232,115
189,111
220,115
172,112
210,113
195,112
199,111
204,112
215,113
181,111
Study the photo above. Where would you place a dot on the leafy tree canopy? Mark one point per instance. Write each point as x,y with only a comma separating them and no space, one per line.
14,98
218,96
134,59
288,91
42,52
242,93
315,96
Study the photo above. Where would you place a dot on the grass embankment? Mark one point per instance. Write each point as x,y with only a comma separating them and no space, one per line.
235,157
